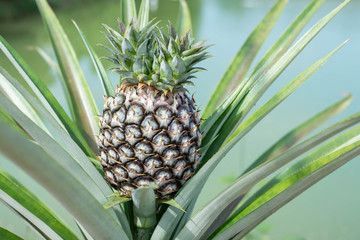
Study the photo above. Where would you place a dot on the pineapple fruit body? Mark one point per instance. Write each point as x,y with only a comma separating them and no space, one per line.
148,137
150,129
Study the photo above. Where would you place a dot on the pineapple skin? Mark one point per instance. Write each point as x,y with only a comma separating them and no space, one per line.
149,136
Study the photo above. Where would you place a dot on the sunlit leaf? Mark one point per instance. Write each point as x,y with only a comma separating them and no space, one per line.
30,207
43,94
171,202
243,59
20,101
7,235
291,184
144,13
283,144
238,109
128,10
280,182
293,136
199,223
82,102
184,19
71,193
100,70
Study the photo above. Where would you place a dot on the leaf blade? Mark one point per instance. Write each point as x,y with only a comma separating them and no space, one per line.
240,107
243,59
9,235
279,183
36,210
82,102
184,19
42,92
74,196
309,175
100,70
128,11
199,223
144,13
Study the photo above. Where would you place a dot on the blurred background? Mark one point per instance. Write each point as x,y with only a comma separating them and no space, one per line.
329,210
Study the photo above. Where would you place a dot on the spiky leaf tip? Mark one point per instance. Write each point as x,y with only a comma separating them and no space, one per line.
147,55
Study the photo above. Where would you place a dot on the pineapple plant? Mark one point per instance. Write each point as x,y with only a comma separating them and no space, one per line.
150,129
142,174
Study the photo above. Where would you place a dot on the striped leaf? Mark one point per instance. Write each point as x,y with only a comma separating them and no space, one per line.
82,102
243,59
32,209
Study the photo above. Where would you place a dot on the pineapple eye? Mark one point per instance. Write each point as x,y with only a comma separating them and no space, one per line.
142,181
135,114
119,99
134,169
107,117
126,153
152,164
119,134
186,175
113,154
170,156
109,176
133,134
163,174
149,123
143,149
184,143
120,114
164,116
120,173
179,168
127,188
175,129
161,141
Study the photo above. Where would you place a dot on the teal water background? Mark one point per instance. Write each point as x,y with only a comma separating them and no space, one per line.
330,209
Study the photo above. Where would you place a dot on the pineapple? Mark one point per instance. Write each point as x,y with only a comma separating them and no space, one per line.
150,129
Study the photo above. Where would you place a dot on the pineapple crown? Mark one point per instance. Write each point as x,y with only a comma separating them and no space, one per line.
148,55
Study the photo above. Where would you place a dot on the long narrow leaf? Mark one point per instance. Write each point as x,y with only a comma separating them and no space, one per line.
263,82
243,59
289,139
280,182
73,195
68,144
44,95
172,215
100,70
82,102
293,185
7,235
184,19
264,79
10,121
30,207
284,41
128,10
272,55
286,142
52,147
47,58
199,223
20,101
144,13
56,71
81,167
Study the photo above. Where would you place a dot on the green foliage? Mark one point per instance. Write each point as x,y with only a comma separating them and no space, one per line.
57,150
